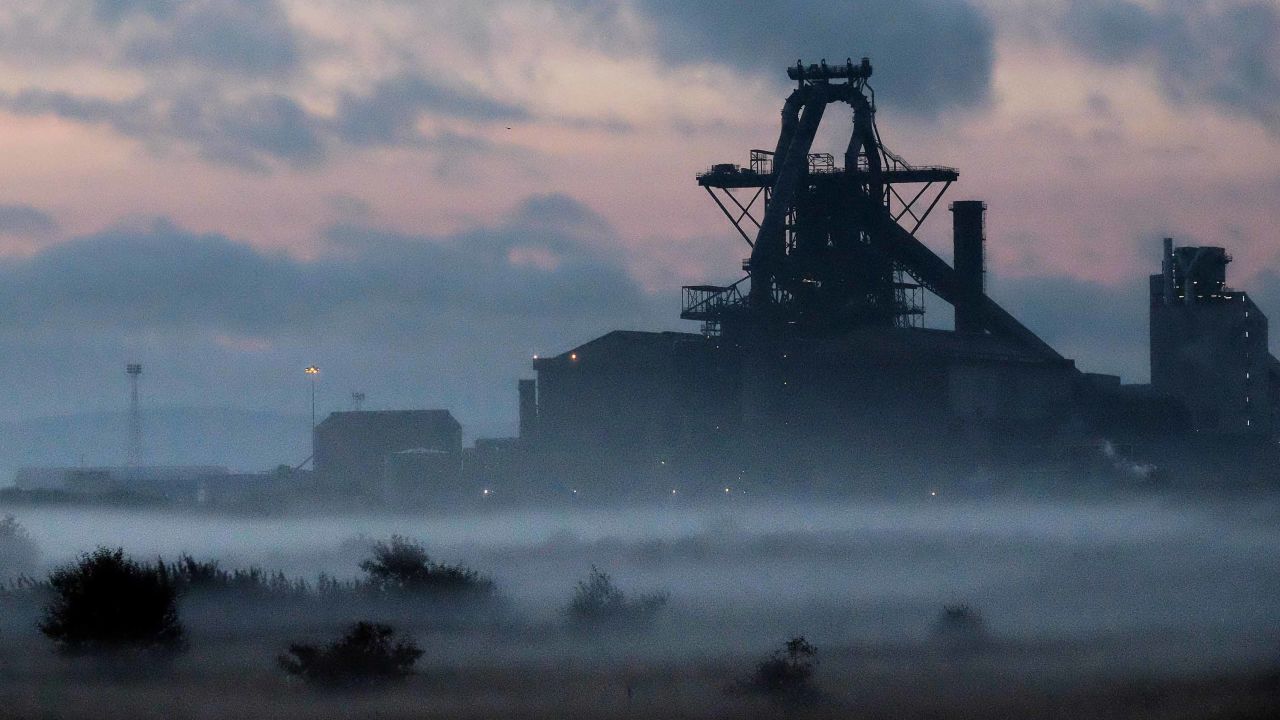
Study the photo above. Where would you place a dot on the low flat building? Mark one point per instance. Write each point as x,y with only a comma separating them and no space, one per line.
178,483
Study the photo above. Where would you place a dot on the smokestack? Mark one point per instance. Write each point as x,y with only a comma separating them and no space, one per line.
968,219
528,408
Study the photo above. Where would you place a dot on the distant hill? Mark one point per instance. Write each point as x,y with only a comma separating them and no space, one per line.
239,439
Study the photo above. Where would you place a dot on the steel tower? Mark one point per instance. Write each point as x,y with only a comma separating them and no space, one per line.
134,454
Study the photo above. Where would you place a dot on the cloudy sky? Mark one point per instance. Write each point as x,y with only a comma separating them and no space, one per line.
418,196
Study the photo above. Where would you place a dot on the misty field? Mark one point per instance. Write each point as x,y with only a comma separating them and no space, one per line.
1151,607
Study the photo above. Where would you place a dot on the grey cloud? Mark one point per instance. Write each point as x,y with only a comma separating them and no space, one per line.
113,11
18,219
350,206
387,113
252,39
1215,53
253,130
249,37
416,321
929,55
158,276
245,132
221,76
270,125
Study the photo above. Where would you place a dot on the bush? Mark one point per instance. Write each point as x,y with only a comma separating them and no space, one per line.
959,629
788,672
18,552
403,566
597,600
190,574
367,654
107,602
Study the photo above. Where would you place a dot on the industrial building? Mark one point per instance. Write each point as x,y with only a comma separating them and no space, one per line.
819,350
389,454
1209,345
820,344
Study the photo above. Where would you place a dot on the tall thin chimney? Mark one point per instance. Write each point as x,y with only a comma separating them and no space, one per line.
968,219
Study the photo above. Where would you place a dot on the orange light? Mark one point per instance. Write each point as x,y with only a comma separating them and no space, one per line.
312,370
573,356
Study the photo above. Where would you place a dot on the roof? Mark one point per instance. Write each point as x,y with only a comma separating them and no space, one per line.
623,341
371,419
931,345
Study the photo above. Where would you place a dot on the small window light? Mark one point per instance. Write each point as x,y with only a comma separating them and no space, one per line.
573,356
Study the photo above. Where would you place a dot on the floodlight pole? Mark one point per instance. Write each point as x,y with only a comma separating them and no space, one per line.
313,372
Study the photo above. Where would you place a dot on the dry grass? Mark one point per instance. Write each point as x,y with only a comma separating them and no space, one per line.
234,677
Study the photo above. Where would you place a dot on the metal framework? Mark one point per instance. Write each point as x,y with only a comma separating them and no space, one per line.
832,247
134,450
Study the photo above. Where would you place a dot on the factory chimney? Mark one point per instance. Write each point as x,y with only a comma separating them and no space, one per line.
528,408
968,219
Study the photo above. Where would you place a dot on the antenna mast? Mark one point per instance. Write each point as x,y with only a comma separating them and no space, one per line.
134,457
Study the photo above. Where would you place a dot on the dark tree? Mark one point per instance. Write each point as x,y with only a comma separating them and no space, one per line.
402,565
107,602
788,672
18,552
597,600
367,654
960,629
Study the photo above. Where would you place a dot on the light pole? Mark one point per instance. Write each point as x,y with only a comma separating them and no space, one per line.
313,372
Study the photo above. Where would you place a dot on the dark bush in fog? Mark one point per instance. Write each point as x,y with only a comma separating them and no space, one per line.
206,576
596,600
960,628
18,552
403,566
367,654
107,602
787,673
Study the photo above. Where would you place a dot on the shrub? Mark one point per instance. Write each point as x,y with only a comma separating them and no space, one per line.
597,600
960,628
107,602
367,654
205,576
18,552
788,672
402,565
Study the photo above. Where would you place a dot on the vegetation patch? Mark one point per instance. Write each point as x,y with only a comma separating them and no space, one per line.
598,601
368,654
960,629
403,566
105,602
18,552
786,674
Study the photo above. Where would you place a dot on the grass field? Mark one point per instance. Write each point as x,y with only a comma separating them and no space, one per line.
1147,610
